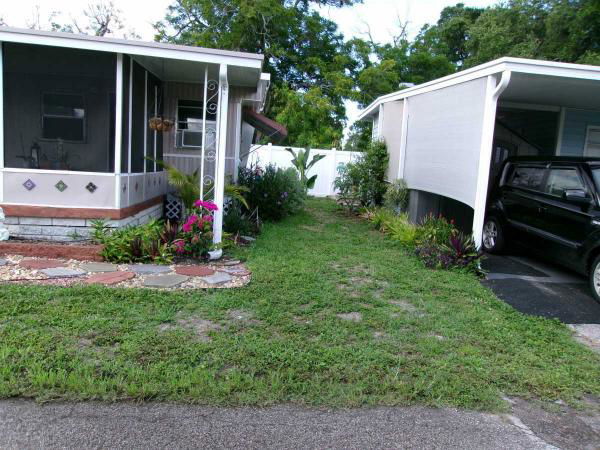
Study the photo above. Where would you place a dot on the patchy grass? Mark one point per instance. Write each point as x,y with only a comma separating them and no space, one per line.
336,314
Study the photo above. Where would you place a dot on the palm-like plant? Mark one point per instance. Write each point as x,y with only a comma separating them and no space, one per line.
302,164
188,187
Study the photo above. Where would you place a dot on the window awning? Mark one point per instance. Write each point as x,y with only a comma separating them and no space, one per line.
273,130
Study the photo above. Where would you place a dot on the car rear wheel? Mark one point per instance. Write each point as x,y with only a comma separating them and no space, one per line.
493,236
595,278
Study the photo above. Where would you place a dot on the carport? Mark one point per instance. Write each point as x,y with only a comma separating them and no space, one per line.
445,136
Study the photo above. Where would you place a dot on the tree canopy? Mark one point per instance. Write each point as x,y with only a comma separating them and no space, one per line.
315,70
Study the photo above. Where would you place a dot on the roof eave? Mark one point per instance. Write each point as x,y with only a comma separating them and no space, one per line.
132,47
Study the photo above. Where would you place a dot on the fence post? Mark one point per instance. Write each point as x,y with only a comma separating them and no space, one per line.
332,172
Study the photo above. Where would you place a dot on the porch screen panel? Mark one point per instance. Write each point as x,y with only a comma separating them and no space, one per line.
444,140
60,100
138,123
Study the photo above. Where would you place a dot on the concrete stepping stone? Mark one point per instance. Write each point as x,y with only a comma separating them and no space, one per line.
165,281
194,271
108,278
42,263
233,262
239,271
143,269
62,272
99,267
217,278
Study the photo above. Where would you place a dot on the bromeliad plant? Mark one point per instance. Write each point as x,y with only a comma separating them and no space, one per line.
197,231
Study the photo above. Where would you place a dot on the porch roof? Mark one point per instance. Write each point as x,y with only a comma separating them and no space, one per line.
244,69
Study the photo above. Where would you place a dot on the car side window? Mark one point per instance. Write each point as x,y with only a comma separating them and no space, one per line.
561,179
527,177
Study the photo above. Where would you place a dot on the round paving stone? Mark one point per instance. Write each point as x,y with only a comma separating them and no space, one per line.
164,281
107,278
194,271
61,272
143,269
42,263
99,267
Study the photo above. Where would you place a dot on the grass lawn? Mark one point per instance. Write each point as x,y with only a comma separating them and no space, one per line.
406,334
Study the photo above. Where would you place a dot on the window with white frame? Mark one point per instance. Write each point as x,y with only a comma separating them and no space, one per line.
592,142
189,123
63,117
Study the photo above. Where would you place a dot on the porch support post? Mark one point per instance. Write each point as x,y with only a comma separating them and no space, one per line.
492,92
221,149
1,124
118,128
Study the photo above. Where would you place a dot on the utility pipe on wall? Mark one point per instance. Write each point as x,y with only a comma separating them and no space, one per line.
493,92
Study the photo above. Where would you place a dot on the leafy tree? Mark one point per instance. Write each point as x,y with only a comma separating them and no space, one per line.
304,52
359,137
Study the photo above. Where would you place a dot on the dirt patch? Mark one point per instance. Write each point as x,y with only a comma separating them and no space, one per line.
199,326
245,317
313,228
379,335
406,306
351,316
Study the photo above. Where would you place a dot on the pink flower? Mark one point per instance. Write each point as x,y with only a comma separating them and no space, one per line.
186,227
207,218
210,206
179,246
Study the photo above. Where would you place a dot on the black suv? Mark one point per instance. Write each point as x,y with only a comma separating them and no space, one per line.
552,207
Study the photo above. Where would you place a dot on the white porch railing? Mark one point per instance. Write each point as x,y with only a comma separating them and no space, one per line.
326,169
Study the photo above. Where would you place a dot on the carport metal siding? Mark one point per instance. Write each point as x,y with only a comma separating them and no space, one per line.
444,138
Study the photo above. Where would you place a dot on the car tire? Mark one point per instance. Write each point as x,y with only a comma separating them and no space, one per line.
492,236
595,278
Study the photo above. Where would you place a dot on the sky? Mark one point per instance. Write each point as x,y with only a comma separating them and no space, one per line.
380,17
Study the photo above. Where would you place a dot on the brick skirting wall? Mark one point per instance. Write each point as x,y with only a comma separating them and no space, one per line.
65,229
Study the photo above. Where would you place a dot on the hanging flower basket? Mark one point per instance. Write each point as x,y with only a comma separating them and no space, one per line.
160,124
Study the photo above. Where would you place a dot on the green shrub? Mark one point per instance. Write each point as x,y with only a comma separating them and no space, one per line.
237,220
434,230
142,243
396,196
363,182
400,229
381,217
275,193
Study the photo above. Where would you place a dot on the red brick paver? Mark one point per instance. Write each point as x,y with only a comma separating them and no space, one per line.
107,278
194,271
42,263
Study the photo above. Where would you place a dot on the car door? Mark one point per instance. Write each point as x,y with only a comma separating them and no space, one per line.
565,223
521,196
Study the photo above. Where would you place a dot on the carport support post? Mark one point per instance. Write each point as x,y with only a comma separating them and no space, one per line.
492,93
219,189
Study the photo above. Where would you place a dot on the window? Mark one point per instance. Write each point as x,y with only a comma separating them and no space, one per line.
63,117
562,179
592,142
527,177
189,122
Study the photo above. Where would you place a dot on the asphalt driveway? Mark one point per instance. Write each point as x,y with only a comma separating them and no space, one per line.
538,288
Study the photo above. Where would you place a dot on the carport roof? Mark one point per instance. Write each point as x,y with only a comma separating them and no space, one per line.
532,81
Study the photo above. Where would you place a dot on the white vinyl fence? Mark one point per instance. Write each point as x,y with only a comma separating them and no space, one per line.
326,169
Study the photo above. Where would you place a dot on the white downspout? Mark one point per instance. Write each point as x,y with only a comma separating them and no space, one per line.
485,153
